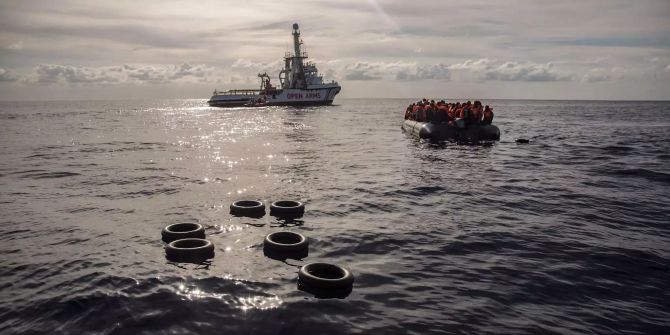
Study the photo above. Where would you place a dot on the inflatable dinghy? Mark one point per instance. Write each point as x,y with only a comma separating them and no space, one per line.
444,131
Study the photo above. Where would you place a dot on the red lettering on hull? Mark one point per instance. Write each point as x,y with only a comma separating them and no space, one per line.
308,95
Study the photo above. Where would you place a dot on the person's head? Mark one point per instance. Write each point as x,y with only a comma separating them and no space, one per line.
469,103
487,107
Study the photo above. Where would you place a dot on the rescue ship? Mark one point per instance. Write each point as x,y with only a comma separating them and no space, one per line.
299,85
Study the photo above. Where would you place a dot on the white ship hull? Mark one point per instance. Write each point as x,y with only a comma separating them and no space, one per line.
285,97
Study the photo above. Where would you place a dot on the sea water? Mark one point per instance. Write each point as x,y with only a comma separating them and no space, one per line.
569,234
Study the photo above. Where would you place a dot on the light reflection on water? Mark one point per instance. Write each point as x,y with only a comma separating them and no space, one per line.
259,302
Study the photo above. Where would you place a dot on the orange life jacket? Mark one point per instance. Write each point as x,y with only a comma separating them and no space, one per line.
459,112
476,114
422,115
451,112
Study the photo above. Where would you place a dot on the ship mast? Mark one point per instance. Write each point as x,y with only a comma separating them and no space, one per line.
297,79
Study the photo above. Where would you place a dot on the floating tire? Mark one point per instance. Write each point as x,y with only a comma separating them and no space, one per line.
287,208
286,241
180,231
325,276
247,208
189,250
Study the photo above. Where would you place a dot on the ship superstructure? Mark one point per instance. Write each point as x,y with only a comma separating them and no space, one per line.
299,85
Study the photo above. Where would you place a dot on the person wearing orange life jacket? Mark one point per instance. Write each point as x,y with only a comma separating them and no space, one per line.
408,111
443,112
476,115
429,111
488,115
420,113
467,110
451,112
463,115
457,110
415,111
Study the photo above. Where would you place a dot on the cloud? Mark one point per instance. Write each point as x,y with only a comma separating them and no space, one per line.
594,76
47,74
473,65
470,70
280,25
394,71
661,41
5,76
486,69
244,63
129,33
360,75
363,71
436,72
15,46
513,71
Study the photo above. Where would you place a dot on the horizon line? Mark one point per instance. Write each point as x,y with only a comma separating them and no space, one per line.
354,98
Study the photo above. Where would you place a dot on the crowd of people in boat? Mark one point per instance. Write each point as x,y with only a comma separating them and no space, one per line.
457,114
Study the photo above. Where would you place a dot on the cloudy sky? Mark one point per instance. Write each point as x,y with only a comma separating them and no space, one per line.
537,49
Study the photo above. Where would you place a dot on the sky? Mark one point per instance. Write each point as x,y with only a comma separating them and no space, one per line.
495,49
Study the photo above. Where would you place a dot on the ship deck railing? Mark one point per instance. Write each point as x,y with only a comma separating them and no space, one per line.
239,92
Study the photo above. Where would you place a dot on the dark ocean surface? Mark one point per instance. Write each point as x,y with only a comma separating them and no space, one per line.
569,234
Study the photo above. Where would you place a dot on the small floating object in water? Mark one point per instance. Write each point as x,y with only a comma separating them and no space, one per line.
285,244
193,250
287,208
286,241
325,276
180,231
522,140
253,208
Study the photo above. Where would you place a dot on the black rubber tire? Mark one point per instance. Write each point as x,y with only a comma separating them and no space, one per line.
286,241
189,249
247,207
180,231
287,207
324,275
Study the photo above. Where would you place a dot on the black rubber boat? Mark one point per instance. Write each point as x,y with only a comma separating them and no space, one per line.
444,131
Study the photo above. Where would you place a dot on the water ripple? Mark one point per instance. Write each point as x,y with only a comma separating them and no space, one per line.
565,235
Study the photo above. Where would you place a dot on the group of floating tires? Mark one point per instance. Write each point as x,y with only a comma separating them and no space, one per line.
286,244
186,242
255,208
